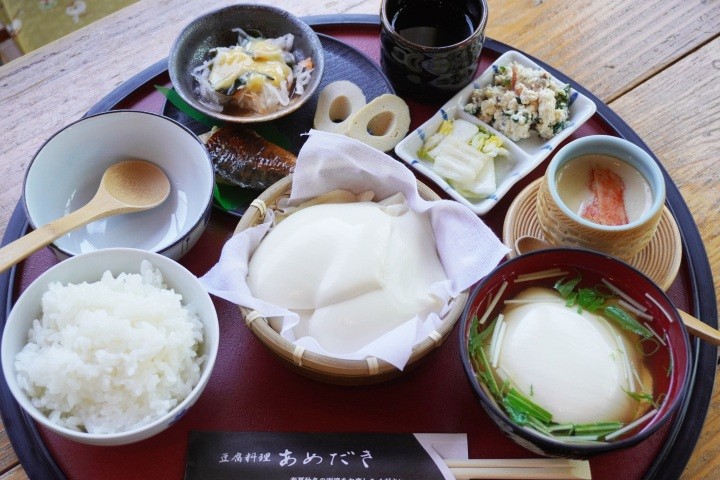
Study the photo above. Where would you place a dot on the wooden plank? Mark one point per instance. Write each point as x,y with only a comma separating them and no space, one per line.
679,118
705,460
8,458
16,473
608,47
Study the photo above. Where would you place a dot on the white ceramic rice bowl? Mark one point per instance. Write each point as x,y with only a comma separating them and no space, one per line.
66,171
90,267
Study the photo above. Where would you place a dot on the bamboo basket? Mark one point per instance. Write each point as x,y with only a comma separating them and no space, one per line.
562,230
322,367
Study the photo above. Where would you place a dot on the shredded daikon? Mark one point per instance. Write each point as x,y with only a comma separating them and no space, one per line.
534,300
635,311
632,425
527,277
624,296
655,334
494,302
498,345
665,312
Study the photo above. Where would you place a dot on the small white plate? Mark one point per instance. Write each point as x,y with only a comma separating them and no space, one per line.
524,155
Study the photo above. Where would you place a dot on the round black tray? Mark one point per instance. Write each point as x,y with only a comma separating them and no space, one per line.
682,437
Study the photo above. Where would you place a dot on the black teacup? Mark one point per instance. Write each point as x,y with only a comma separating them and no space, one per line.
430,49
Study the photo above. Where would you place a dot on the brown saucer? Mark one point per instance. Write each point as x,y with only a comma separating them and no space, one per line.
659,260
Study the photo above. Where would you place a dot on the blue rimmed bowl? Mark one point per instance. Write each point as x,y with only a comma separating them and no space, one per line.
65,173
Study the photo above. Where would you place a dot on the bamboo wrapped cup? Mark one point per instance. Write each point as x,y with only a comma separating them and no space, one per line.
322,367
563,227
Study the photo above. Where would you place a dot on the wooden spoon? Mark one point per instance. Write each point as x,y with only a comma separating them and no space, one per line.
129,186
695,326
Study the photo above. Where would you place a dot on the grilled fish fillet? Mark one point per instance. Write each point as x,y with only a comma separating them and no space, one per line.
242,157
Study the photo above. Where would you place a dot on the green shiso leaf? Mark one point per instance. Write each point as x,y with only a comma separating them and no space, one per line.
624,320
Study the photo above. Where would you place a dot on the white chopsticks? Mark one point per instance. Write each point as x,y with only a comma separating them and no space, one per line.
520,468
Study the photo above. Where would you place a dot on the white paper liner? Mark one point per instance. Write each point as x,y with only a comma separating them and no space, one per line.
467,248
444,446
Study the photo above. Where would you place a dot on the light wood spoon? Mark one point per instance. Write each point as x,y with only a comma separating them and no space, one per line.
128,186
695,326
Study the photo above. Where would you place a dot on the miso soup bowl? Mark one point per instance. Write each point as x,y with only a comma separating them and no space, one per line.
561,226
670,383
89,267
65,173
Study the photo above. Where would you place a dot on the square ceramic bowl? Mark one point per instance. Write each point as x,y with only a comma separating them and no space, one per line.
89,268
65,174
524,155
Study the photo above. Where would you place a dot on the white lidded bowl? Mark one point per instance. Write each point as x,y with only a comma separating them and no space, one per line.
66,171
90,267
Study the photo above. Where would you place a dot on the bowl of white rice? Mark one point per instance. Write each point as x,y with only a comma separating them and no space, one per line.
110,347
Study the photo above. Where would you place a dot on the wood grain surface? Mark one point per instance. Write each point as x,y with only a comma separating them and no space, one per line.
656,63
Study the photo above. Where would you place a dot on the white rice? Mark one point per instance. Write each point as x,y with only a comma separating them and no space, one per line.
113,355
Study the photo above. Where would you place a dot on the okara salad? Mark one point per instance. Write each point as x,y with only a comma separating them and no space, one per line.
522,100
257,74
464,154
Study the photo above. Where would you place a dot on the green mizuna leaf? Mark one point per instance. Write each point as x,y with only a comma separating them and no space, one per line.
623,318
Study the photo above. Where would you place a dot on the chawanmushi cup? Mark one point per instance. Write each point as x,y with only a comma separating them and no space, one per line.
563,226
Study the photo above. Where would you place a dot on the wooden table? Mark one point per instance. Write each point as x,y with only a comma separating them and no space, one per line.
656,63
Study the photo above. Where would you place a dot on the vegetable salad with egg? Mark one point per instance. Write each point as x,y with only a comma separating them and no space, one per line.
520,101
258,74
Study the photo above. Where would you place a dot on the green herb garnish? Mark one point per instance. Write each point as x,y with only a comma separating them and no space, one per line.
566,288
599,428
520,403
626,321
589,299
642,397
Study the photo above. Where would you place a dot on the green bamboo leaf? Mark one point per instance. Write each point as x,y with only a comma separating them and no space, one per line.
174,98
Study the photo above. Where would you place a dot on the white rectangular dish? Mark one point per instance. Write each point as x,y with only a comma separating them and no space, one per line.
523,155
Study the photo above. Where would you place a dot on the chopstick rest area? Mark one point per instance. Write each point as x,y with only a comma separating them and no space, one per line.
520,468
